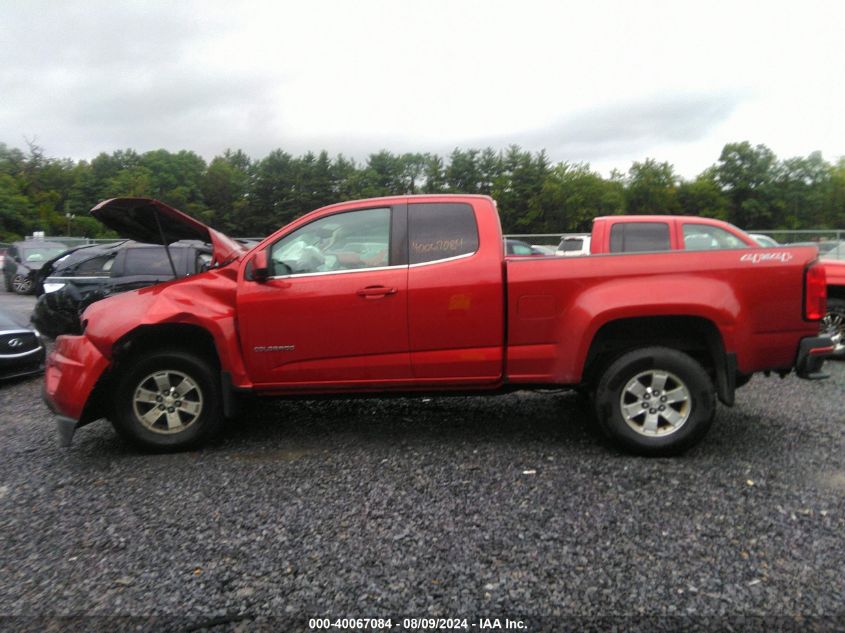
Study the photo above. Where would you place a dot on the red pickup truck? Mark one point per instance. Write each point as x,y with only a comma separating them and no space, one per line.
416,295
633,233
834,320
641,233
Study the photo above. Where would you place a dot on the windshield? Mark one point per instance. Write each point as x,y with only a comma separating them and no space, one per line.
40,253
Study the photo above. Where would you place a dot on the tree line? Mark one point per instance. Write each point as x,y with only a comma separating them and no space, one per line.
748,186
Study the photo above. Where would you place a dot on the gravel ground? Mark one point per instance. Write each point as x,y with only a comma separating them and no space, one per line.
500,507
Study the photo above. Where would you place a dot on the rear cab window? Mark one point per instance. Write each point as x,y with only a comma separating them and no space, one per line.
639,237
440,231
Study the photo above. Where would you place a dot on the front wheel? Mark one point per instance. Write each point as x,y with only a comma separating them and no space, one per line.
168,401
22,284
655,401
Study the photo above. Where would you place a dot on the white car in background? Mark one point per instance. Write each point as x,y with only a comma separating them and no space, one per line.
574,245
764,240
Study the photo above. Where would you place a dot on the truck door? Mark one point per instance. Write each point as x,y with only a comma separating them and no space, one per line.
455,296
335,311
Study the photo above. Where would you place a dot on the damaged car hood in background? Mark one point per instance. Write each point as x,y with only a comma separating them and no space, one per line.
154,222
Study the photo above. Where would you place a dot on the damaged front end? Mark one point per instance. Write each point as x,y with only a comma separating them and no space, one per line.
73,381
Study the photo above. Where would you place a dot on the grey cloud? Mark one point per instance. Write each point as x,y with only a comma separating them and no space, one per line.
622,130
177,109
98,76
629,128
98,34
110,75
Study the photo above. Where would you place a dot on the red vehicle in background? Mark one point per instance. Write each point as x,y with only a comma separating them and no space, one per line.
415,294
834,320
642,233
632,233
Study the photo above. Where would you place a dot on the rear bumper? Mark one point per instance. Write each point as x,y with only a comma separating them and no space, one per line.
73,369
812,352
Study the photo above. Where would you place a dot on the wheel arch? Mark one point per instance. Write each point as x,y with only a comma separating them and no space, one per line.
182,336
696,336
144,339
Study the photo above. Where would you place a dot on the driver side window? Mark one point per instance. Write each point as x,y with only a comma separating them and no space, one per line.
344,241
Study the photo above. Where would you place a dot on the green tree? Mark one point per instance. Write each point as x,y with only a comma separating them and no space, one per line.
272,194
835,203
382,175
344,179
703,197
134,181
176,178
573,195
16,212
652,188
434,174
224,188
745,174
462,173
490,169
801,190
519,190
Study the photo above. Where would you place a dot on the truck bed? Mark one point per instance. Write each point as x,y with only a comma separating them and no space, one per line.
557,305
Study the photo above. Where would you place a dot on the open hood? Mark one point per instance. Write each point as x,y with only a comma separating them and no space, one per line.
152,221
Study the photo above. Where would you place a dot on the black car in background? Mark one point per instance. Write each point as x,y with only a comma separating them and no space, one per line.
70,283
21,349
23,260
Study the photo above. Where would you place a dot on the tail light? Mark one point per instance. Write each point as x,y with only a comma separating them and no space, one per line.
815,293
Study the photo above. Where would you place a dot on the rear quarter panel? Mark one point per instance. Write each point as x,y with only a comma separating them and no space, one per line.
556,306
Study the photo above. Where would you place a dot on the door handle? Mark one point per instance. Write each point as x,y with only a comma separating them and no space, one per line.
375,292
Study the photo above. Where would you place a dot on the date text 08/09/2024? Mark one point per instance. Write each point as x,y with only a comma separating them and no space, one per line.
416,624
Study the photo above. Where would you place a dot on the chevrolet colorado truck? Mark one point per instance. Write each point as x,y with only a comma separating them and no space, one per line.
415,294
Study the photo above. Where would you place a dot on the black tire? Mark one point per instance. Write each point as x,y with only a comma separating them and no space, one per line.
834,323
198,408
22,285
689,401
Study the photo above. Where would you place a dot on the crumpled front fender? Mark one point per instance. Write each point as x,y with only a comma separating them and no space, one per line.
73,370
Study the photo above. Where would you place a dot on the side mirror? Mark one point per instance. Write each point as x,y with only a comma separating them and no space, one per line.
260,266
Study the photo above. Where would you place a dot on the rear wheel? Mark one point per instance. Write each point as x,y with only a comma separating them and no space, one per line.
655,401
834,324
168,401
22,284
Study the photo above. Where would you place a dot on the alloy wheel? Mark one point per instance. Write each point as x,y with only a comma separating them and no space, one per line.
655,403
21,284
167,401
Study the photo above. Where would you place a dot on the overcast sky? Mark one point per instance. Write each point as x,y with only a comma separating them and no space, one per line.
599,82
